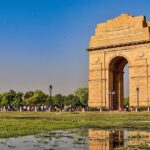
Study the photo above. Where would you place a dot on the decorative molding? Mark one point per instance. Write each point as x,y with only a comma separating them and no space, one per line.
119,45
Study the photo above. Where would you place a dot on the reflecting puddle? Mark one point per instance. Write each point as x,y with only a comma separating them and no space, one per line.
121,140
79,139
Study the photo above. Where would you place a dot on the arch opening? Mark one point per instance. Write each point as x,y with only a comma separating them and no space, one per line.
116,82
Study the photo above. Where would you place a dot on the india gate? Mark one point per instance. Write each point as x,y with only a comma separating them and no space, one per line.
117,42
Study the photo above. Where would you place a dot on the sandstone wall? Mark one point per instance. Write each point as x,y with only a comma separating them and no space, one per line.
124,36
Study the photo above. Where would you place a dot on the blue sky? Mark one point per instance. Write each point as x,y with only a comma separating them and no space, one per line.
44,42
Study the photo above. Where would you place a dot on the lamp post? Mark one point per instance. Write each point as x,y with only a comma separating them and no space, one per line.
50,91
111,93
137,93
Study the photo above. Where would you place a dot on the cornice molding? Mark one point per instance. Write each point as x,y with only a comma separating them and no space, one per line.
118,45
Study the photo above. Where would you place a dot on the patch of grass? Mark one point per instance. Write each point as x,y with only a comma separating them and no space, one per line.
138,136
120,148
13,124
141,146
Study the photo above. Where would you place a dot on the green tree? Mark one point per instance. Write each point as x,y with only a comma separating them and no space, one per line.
58,100
18,100
126,101
39,97
4,100
28,98
72,100
82,93
8,98
49,100
35,98
1,96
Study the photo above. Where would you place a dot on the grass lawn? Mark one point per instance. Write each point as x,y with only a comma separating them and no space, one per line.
13,124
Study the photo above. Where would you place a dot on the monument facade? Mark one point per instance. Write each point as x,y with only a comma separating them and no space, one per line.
117,42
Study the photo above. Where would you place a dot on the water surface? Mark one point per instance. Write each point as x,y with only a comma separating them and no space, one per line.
80,139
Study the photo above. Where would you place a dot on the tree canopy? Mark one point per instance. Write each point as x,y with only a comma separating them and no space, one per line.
15,99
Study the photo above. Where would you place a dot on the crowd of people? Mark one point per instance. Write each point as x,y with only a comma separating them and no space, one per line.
44,108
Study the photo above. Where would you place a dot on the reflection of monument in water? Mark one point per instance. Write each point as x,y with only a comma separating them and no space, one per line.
109,140
105,140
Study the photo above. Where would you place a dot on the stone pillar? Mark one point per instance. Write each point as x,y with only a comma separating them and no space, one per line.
121,90
20,109
35,109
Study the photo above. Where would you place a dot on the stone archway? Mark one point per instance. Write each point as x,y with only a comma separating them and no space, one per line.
124,39
116,82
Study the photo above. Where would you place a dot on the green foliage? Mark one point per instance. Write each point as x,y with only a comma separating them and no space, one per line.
28,98
49,101
8,98
58,100
142,108
28,94
82,93
4,101
38,97
71,100
98,108
126,101
18,100
94,108
34,98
